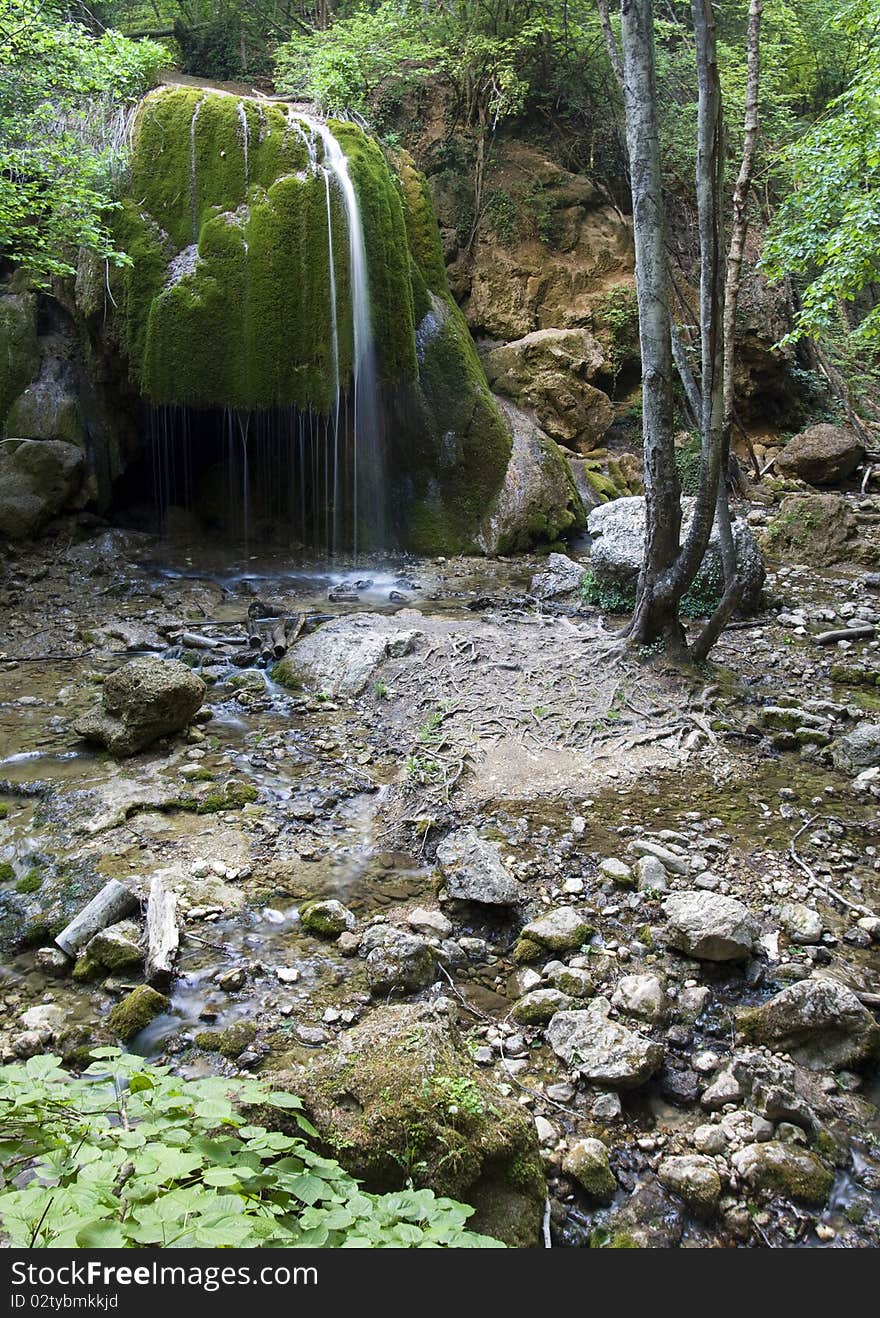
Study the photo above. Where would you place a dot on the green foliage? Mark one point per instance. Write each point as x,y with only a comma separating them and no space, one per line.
63,94
700,601
617,314
130,1156
687,464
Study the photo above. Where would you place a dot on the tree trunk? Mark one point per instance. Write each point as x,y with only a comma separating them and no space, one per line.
655,615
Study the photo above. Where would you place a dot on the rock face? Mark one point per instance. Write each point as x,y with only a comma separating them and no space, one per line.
605,1052
551,371
858,749
821,455
820,1023
814,528
618,531
141,702
38,478
473,871
709,926
398,1098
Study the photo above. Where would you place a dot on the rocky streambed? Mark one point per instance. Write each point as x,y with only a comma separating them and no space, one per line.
584,941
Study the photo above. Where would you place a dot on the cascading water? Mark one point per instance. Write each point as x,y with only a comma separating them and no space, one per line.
318,475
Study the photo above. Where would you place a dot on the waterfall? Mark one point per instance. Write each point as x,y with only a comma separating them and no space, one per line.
193,194
243,120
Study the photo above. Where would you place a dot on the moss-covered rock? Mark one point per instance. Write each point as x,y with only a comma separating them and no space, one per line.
135,1012
229,1042
327,919
785,1169
398,1099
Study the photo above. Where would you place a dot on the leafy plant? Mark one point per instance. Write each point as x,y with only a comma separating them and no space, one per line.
128,1155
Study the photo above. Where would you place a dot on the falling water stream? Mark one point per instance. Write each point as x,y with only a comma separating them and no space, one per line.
315,476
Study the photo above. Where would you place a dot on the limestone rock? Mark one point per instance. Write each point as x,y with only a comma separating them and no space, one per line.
135,1012
858,749
473,870
38,478
560,930
141,702
816,529
116,948
802,924
387,1101
605,1052
550,371
561,577
785,1169
694,1179
709,926
327,919
396,959
820,1023
587,1163
341,657
618,532
821,455
643,996
539,1006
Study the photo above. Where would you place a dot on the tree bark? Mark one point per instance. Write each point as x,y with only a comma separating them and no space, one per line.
163,935
655,616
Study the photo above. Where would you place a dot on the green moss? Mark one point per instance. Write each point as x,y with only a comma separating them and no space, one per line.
135,1012
286,674
233,797
527,950
30,882
229,1042
7,872
4,809
19,350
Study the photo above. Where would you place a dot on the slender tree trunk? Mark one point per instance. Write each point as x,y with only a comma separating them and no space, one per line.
655,615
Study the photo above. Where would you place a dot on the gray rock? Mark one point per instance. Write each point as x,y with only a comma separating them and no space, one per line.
141,702
561,576
643,996
473,870
617,871
694,1179
587,1163
560,930
820,1023
341,657
396,959
539,1006
651,875
709,926
668,859
38,478
429,922
605,1052
551,371
858,749
327,918
618,531
802,924
785,1169
821,455
116,948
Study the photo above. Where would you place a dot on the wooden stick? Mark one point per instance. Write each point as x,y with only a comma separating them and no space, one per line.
114,902
163,935
865,633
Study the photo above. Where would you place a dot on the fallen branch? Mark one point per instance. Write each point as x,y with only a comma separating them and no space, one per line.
861,633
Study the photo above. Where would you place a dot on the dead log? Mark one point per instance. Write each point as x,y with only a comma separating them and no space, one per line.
263,609
195,640
113,903
293,629
163,935
278,639
865,633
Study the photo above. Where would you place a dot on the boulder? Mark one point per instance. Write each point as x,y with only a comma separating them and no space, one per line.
709,926
396,960
560,577
341,657
784,1169
538,501
115,949
135,1012
38,478
816,529
561,930
694,1179
550,371
643,996
473,870
326,919
821,455
398,1099
858,749
802,924
618,532
537,1007
48,408
820,1023
587,1163
141,702
603,1051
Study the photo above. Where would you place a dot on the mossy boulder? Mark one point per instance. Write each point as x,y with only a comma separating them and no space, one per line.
561,930
327,919
135,1012
587,1163
398,1099
38,478
229,1042
775,1168
142,701
114,950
